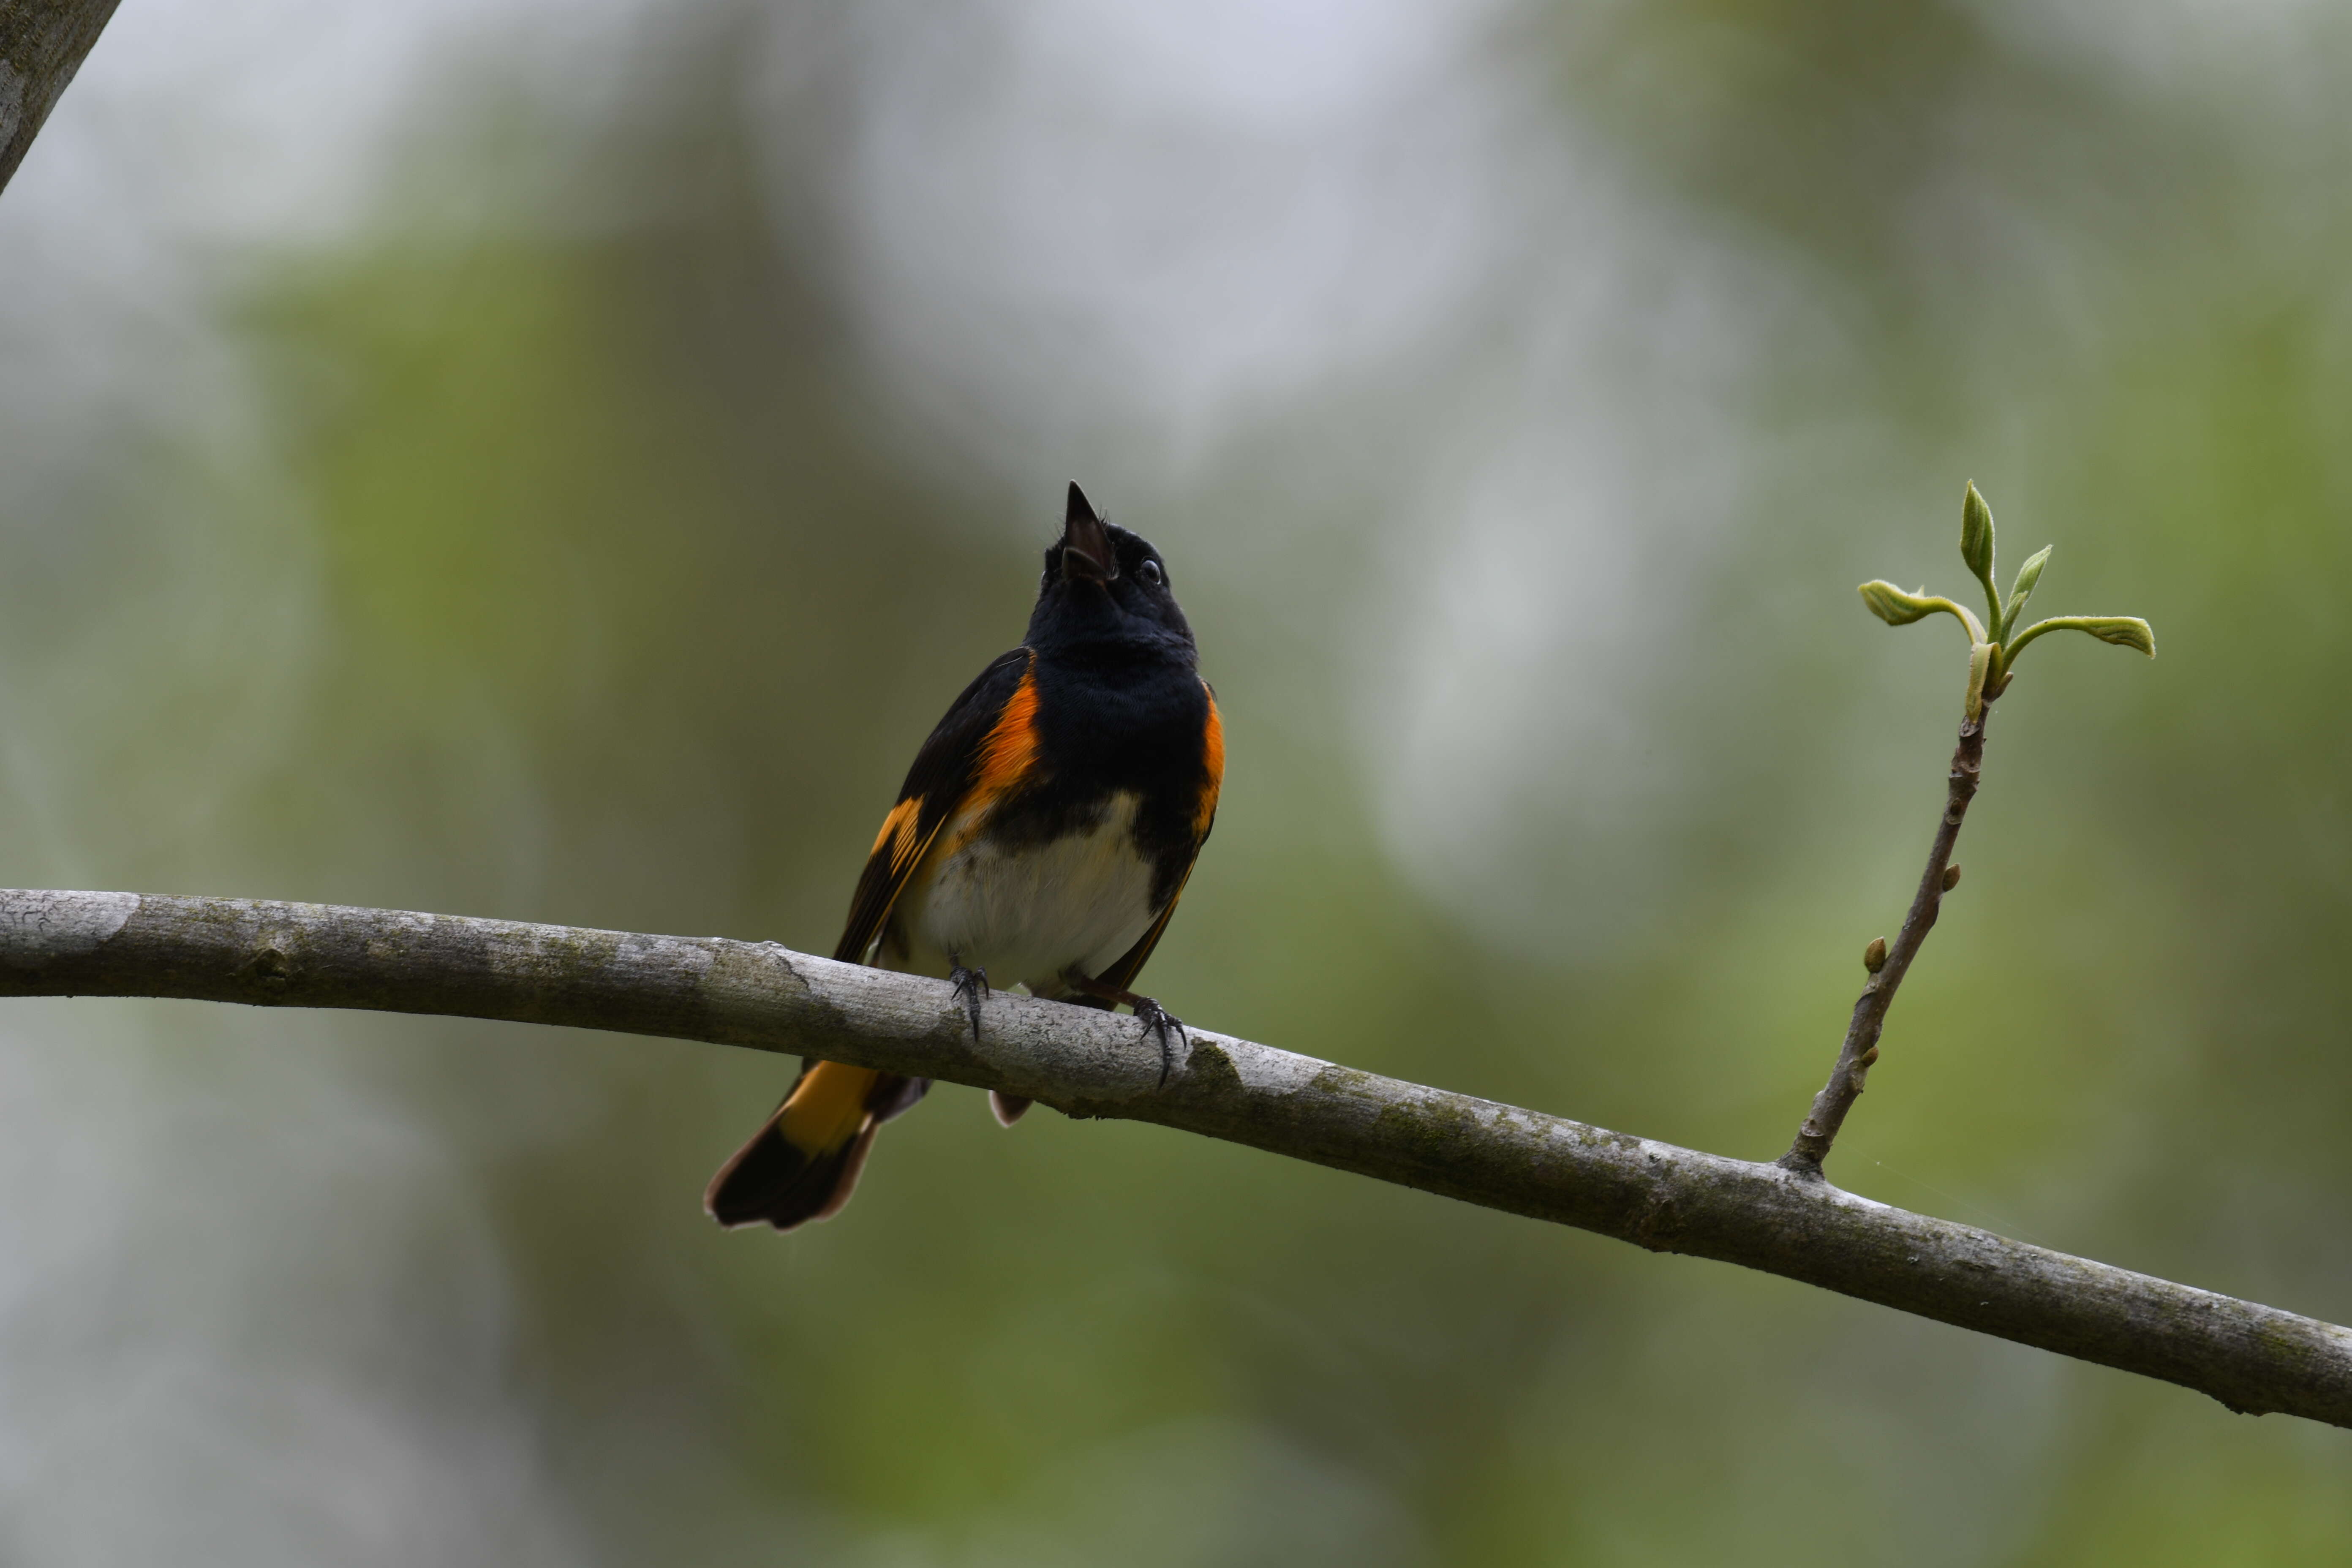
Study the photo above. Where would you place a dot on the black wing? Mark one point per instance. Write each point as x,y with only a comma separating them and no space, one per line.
942,778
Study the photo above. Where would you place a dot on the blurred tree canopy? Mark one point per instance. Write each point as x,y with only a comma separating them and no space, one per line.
590,528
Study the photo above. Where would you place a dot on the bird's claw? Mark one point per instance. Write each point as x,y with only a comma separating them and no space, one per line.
972,985
1160,1021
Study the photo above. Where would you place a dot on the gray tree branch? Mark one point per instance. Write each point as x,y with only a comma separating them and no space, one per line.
42,43
1090,1063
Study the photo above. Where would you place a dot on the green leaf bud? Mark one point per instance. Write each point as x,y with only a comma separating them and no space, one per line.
2028,574
2022,589
1976,533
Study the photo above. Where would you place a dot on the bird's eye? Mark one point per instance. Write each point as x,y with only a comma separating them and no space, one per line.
1149,572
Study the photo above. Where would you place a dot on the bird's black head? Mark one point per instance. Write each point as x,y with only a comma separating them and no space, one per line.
1103,585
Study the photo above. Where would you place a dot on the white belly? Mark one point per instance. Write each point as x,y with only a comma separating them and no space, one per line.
1026,912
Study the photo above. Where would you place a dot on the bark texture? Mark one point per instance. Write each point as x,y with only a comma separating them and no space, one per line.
1761,1215
42,43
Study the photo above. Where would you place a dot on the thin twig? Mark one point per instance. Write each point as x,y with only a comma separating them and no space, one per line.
1860,1051
1085,1063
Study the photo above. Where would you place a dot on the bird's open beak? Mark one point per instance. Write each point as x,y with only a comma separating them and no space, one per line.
1086,544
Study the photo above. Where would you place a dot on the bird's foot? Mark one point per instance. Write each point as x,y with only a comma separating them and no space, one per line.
971,984
1160,1021
1157,1020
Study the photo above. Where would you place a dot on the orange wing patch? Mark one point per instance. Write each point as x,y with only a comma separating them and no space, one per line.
1004,760
895,849
899,831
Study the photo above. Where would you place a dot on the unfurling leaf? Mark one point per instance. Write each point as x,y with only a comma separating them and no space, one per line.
2124,631
1895,607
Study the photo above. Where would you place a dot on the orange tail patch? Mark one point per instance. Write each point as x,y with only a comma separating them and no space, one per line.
805,1163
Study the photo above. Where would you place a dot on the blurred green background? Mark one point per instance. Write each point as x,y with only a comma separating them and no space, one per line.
556,461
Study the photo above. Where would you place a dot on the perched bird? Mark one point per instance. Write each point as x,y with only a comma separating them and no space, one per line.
1042,837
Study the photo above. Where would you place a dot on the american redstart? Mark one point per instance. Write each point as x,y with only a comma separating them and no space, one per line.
1042,837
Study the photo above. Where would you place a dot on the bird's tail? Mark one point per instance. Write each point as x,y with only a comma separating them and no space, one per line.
805,1163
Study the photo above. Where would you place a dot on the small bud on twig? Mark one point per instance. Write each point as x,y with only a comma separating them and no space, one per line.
1951,877
1980,655
1874,957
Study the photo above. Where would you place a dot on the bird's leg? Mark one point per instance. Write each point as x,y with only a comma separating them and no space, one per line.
971,984
1157,1020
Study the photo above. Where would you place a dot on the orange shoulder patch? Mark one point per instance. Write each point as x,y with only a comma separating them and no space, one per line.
1212,762
1011,749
